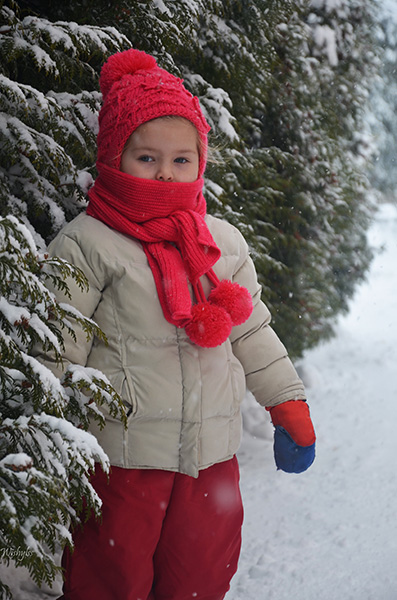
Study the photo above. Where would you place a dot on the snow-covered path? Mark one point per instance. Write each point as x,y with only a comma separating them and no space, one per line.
331,533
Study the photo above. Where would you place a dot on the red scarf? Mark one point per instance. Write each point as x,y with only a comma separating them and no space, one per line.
168,218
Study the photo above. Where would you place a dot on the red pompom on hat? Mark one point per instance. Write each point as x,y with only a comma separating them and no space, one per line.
136,90
124,63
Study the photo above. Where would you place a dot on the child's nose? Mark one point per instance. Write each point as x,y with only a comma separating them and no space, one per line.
165,172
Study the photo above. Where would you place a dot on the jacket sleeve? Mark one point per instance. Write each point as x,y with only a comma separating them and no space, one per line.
86,301
270,374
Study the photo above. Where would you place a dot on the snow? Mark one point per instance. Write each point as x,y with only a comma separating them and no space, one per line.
329,533
84,180
28,238
328,4
159,4
13,313
57,35
214,102
325,38
20,461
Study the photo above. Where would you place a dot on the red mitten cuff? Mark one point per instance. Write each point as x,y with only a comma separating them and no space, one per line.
294,417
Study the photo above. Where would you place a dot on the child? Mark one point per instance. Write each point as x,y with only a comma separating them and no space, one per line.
176,293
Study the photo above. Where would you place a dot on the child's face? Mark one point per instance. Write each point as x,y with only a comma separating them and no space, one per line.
164,150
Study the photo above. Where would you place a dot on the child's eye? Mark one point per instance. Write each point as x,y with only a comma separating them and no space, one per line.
145,158
181,160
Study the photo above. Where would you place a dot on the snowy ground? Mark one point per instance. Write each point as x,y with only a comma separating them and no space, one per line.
329,533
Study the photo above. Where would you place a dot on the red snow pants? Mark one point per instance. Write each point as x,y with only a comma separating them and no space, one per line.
163,536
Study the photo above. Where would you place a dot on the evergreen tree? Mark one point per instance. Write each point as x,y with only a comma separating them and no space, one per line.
45,453
322,208
384,106
304,192
48,101
284,87
46,141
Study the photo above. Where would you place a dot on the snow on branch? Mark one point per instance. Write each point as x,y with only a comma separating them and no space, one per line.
216,104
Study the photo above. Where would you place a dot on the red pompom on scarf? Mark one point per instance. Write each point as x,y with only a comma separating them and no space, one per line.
233,298
168,219
209,326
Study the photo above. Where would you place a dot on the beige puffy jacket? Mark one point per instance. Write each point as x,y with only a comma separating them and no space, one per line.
183,401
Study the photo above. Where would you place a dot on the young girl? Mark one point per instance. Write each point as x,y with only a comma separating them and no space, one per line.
176,293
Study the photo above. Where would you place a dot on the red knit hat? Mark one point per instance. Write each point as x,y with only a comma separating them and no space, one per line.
135,90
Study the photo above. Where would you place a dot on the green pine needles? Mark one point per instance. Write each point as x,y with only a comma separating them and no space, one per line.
48,106
45,453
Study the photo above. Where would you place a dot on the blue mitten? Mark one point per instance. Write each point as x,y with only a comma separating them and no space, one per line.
294,437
